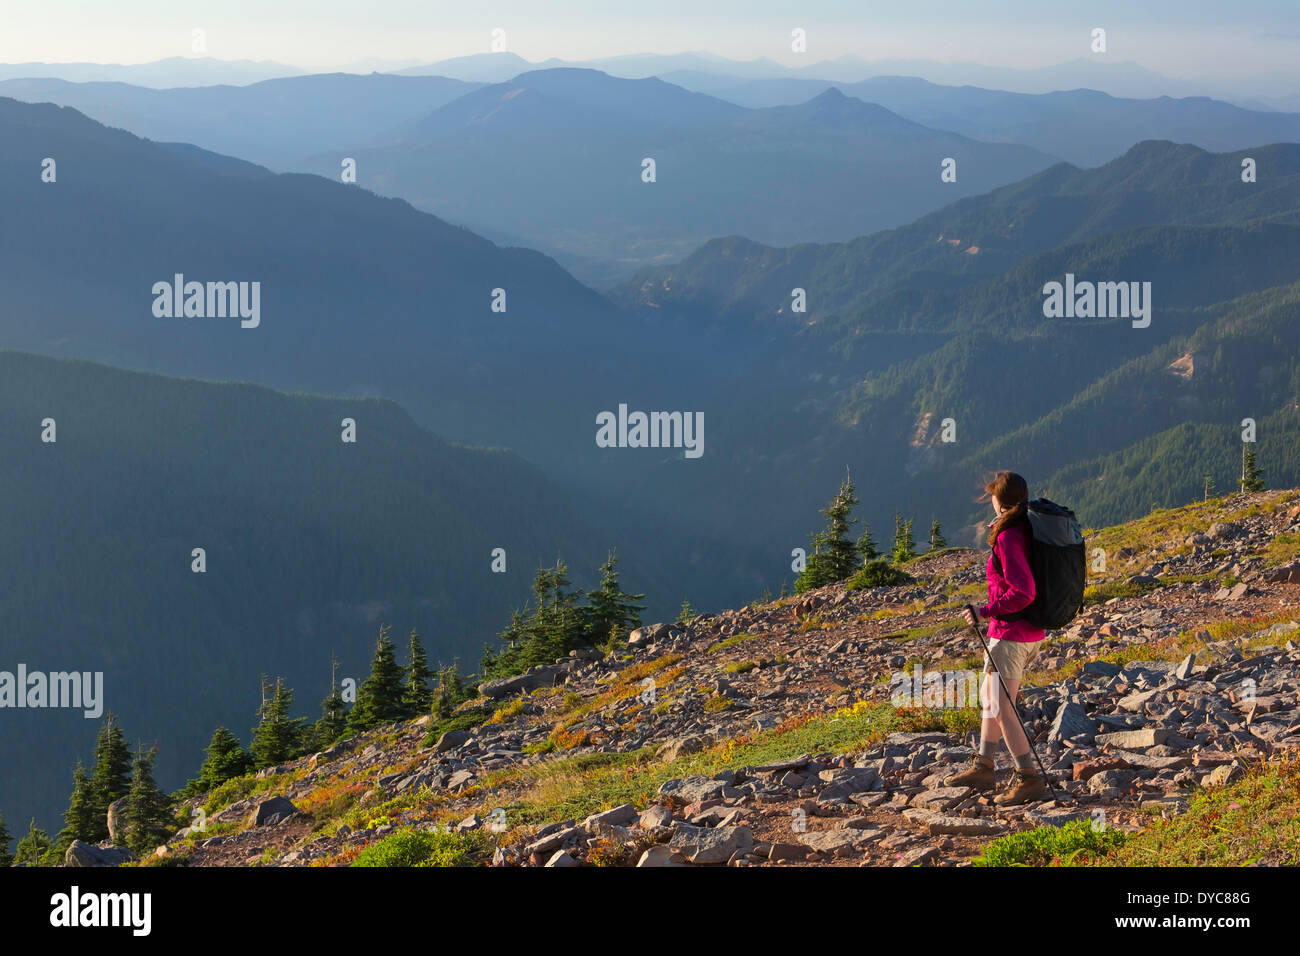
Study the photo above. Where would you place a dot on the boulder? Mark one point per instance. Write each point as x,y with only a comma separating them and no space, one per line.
1136,702
917,856
460,779
695,789
553,840
659,856
1133,739
941,799
1071,721
842,841
84,854
936,824
1234,593
1110,783
1101,668
451,740
1055,816
270,812
656,815
623,815
1150,762
1224,775
1184,669
851,779
786,765
701,845
539,676
680,746
1287,574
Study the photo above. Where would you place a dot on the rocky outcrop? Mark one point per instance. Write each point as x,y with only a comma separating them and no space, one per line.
539,676
86,854
270,812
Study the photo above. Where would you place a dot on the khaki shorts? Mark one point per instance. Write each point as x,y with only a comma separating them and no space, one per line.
1011,657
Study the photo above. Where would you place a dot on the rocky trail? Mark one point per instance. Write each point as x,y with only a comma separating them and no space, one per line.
1185,676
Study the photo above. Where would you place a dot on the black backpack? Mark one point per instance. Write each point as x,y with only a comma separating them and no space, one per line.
1059,563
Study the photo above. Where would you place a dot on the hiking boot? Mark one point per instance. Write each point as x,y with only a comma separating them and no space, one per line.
978,776
1029,785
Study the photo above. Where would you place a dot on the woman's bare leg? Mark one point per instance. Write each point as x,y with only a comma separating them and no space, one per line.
1001,724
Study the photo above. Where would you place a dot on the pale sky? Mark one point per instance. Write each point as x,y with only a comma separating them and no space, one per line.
1191,38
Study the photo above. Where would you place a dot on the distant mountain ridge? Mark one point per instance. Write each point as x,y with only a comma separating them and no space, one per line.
581,128
1082,126
171,71
273,122
526,158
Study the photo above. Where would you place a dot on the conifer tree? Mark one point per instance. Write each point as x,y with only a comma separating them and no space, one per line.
225,759
841,556
687,613
451,690
834,556
937,540
1252,478
333,720
379,698
6,858
35,848
148,811
904,545
110,779
611,612
80,820
867,550
277,736
516,640
556,627
416,695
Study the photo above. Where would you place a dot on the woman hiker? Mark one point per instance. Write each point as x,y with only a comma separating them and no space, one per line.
1013,644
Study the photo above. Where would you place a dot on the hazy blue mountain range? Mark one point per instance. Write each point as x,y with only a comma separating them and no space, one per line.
1082,126
454,148
274,122
169,72
1118,78
556,157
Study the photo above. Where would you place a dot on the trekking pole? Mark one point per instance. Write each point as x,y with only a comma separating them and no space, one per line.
1023,729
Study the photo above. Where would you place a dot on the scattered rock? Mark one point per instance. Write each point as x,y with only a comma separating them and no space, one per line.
451,740
272,811
917,856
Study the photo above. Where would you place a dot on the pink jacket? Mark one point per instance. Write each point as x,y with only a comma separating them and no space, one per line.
1011,586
